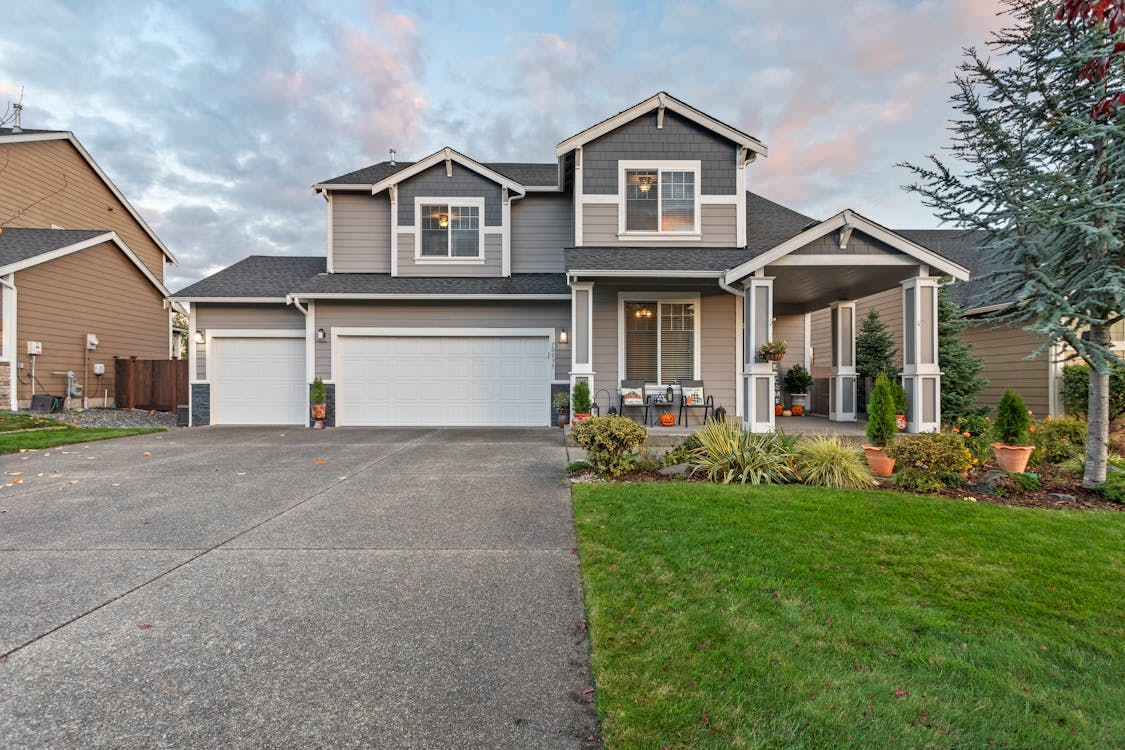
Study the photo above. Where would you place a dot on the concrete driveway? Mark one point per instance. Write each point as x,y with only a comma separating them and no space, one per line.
281,588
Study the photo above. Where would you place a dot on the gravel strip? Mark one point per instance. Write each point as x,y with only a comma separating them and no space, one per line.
116,418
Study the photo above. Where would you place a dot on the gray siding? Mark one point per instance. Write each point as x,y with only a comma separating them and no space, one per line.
434,184
718,227
678,139
493,260
250,317
554,315
599,225
790,329
542,225
361,233
858,244
1005,351
718,332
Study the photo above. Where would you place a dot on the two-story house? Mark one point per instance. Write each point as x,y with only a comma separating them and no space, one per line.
459,292
81,272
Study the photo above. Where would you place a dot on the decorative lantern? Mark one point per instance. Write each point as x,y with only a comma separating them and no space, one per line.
670,395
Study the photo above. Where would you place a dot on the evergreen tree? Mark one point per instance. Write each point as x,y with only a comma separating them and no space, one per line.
961,379
1039,166
874,351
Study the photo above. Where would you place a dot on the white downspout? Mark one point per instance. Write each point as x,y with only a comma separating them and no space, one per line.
739,364
9,338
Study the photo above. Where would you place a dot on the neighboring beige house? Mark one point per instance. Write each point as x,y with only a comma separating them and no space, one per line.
76,261
459,292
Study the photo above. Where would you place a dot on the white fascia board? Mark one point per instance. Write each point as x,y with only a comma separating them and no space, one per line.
845,218
438,157
328,186
83,245
230,300
542,188
655,102
68,136
444,297
649,274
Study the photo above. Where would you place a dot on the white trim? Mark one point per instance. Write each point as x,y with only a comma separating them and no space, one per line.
660,166
36,260
450,203
648,274
605,198
867,259
489,230
505,233
310,343
1054,376
739,345
11,355
240,333
447,155
740,200
331,245
465,332
806,358
393,193
718,200
193,371
68,136
588,367
579,198
231,300
447,297
659,298
434,260
844,339
661,99
846,216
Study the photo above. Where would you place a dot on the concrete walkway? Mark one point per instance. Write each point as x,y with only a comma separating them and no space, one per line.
287,588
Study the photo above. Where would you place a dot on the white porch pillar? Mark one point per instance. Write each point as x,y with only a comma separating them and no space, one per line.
842,381
757,374
581,334
921,376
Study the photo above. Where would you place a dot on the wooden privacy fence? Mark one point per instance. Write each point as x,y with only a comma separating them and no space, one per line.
160,384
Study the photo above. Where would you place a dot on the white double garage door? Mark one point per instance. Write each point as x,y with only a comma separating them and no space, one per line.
415,378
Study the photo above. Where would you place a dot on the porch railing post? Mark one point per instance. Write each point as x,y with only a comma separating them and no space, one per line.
921,375
842,395
758,374
581,338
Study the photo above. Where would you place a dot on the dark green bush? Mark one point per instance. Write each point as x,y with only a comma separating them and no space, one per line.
1114,488
682,453
1025,482
881,426
1012,419
918,480
1076,390
931,451
318,394
580,397
797,379
576,466
1058,440
609,442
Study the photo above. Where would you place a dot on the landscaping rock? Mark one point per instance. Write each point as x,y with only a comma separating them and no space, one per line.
1111,469
675,470
990,481
1060,497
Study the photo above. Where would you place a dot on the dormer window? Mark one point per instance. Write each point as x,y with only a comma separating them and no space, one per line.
660,198
450,229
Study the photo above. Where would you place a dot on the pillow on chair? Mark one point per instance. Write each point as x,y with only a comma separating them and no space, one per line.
632,397
693,396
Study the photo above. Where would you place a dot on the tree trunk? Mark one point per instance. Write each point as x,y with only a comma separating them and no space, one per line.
1097,416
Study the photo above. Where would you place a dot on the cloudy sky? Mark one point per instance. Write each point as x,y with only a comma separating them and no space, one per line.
215,118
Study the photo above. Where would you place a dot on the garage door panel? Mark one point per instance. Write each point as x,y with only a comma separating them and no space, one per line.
443,380
258,380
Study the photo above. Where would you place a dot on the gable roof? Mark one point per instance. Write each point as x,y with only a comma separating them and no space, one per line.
660,101
260,278
529,174
382,285
31,136
963,247
23,248
847,219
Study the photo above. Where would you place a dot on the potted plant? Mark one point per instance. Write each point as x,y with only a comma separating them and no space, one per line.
562,406
772,351
797,383
580,398
318,402
881,427
1012,433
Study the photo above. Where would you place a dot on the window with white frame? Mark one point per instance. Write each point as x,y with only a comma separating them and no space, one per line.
661,200
660,341
449,230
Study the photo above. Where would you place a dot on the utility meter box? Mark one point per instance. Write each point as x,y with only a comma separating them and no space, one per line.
34,348
99,369
91,341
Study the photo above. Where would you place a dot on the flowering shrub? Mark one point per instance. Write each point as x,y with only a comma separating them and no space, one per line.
936,452
1057,440
610,443
773,348
976,431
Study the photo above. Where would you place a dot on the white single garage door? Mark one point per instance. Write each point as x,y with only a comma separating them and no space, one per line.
453,381
258,381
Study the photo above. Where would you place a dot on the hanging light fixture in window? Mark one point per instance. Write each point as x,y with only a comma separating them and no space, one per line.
645,184
443,220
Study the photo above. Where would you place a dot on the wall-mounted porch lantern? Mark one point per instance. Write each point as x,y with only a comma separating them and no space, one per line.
199,337
564,336
320,334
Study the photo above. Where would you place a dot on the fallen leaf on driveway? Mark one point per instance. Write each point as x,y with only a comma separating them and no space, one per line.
145,627
215,468
73,481
321,463
117,484
241,473
3,510
147,453
13,473
17,481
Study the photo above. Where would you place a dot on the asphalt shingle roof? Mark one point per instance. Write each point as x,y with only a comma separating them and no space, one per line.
18,244
676,258
961,247
257,276
383,283
525,173
28,131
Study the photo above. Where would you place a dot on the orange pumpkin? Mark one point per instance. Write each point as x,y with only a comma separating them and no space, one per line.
667,419
798,411
778,409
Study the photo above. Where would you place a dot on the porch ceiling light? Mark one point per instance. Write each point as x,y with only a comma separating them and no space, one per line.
199,337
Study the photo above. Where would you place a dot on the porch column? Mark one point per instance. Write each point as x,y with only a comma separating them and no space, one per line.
842,381
581,338
921,377
757,374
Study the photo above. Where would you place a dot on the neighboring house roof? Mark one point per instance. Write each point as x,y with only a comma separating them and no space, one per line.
344,285
262,278
660,101
961,246
846,221
22,248
676,261
30,136
526,174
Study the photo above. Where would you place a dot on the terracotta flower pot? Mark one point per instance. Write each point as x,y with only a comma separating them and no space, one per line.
1012,458
580,417
564,418
878,461
319,411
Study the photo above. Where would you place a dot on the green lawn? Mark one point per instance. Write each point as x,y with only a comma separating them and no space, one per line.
34,439
725,616
10,420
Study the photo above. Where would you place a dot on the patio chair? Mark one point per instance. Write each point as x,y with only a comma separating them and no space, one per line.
692,397
631,396
660,399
